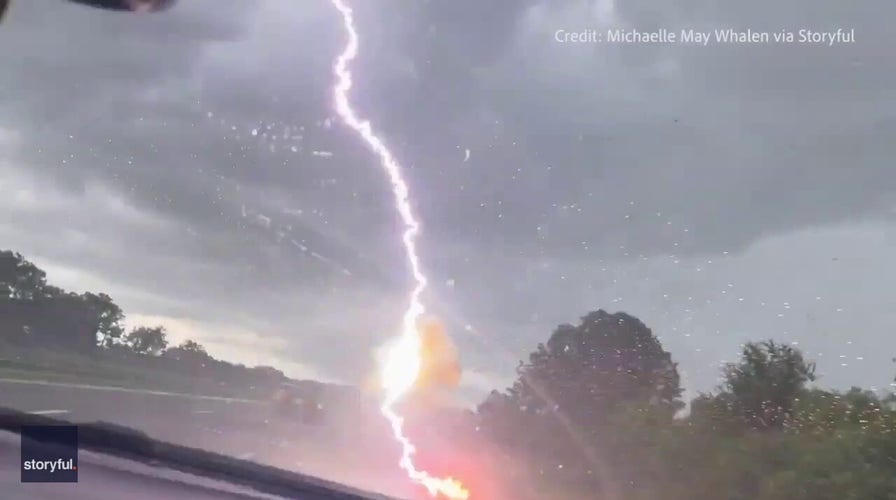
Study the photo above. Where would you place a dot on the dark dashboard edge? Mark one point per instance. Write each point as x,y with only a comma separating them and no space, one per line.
124,442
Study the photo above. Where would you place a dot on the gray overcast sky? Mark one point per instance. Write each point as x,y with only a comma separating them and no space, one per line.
189,164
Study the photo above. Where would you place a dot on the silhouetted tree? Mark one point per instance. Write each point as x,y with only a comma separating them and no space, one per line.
557,412
192,354
19,278
109,317
192,346
69,320
147,340
62,321
607,360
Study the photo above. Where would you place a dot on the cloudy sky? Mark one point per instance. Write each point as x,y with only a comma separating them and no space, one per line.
190,164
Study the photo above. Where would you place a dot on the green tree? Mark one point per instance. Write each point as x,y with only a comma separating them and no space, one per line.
838,446
764,386
147,340
764,435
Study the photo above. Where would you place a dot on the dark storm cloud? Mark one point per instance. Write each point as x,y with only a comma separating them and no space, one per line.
127,114
595,127
75,53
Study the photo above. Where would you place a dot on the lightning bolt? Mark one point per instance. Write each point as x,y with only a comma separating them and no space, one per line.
403,360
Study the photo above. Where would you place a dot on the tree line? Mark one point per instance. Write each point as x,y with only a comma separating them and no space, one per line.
597,412
35,314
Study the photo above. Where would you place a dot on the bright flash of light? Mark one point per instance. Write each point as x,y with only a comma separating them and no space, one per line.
403,360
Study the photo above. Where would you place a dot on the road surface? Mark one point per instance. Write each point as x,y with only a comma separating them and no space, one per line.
239,428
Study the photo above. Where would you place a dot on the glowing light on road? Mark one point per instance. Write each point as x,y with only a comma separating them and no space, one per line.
403,360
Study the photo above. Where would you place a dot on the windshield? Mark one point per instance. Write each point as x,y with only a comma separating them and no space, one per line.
460,249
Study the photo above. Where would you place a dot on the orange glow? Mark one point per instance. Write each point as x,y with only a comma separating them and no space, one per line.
421,349
440,367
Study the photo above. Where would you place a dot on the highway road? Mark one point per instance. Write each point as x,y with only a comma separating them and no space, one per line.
238,428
